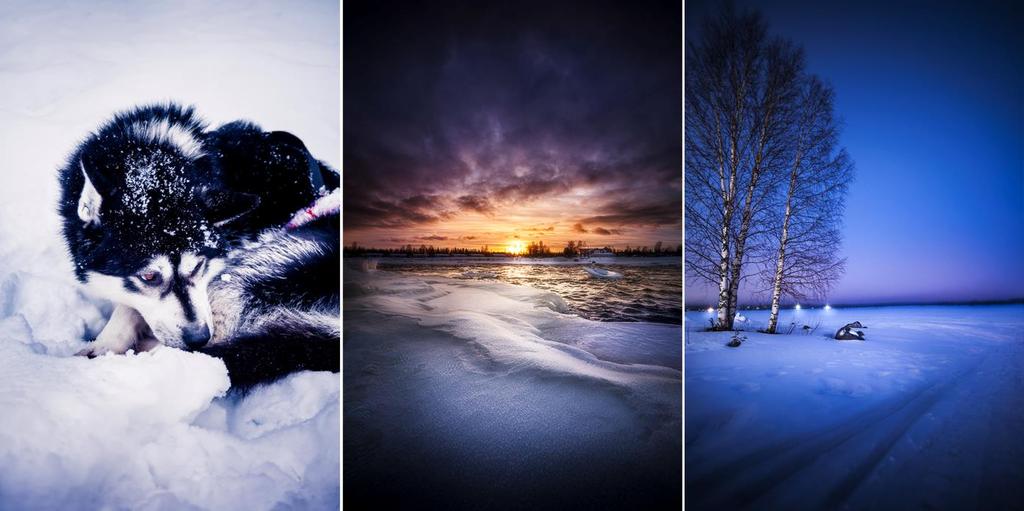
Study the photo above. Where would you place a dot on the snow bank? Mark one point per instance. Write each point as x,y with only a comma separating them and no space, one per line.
147,431
462,393
925,413
124,432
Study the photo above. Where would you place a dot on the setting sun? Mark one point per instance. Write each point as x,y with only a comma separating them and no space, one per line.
515,247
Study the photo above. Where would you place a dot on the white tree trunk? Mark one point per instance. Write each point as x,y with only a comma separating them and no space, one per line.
780,264
724,286
723,283
773,319
747,215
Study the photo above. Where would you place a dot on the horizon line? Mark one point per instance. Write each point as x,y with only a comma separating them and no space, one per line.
1004,301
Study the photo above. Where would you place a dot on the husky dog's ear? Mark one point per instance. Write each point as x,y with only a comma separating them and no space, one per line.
225,207
90,201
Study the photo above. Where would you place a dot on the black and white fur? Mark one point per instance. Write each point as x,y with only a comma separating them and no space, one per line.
152,203
275,308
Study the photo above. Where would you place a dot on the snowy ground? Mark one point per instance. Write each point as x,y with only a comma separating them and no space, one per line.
467,394
147,431
926,413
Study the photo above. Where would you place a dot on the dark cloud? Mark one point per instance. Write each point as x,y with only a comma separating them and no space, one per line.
370,211
578,228
475,203
638,214
432,238
477,106
527,189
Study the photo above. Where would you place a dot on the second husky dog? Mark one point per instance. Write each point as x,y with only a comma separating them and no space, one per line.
275,307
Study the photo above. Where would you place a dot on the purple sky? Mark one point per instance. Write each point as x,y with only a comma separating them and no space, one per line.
483,123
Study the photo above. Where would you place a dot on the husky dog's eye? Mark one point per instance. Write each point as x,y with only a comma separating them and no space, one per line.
151,277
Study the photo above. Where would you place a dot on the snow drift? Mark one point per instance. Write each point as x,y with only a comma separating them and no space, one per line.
463,393
139,432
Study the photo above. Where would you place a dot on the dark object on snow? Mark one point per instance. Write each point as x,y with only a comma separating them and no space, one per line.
846,333
736,341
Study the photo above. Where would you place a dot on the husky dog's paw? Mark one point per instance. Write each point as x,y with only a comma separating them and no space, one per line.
124,329
96,349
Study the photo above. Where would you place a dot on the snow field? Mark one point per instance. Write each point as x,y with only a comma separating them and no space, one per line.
921,414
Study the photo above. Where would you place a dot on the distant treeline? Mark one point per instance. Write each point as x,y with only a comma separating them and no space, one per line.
950,303
533,249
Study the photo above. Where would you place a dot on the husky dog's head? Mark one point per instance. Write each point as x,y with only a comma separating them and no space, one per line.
146,220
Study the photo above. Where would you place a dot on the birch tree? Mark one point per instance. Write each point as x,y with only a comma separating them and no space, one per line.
740,88
719,75
770,141
807,261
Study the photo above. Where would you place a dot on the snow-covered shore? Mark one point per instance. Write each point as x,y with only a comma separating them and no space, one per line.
470,393
924,414
147,431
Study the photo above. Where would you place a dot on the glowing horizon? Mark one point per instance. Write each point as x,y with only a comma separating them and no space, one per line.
500,236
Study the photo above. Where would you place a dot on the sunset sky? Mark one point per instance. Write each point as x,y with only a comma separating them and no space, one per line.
470,125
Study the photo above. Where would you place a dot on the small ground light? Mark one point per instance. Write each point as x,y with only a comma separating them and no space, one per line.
797,306
711,309
828,307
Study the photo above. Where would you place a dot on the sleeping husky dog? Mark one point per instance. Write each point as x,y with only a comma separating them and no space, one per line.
155,208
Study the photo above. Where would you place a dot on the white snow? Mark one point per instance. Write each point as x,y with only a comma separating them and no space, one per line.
488,390
147,431
926,413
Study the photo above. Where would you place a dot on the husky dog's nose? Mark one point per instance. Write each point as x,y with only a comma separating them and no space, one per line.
196,336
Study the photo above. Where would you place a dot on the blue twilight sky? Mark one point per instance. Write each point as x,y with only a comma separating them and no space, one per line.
932,98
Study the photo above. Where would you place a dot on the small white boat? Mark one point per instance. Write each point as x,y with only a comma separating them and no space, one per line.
601,273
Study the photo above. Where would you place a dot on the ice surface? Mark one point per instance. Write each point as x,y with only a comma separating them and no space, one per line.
926,413
550,261
645,293
465,392
147,431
